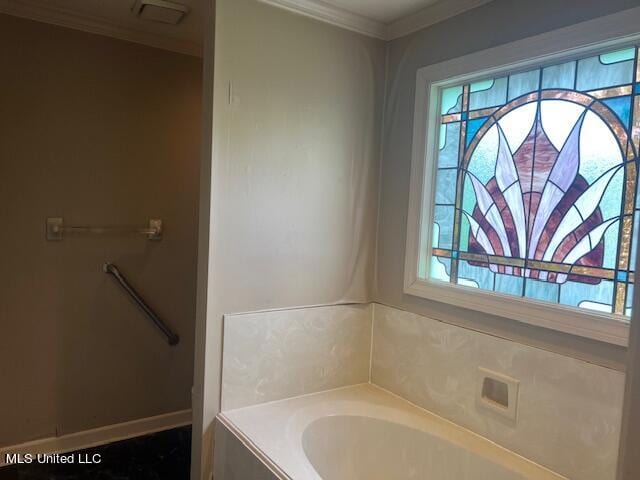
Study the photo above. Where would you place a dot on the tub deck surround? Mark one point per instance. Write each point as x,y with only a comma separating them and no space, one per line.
280,354
569,411
288,435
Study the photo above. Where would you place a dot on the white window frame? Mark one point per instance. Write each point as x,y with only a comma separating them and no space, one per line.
557,46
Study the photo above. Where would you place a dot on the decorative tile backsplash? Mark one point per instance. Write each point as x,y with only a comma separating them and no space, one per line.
569,411
280,354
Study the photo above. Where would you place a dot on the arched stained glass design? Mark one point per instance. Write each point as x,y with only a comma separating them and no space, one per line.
536,183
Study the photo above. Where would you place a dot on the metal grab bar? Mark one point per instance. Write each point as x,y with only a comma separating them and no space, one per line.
111,269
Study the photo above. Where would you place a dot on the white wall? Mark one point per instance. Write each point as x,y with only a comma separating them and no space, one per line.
629,462
297,111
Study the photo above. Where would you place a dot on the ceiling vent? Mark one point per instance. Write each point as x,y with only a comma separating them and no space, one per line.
160,11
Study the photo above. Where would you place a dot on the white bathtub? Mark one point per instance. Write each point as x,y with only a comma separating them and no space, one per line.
366,433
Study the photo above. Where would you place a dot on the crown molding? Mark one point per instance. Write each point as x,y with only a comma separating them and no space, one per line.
316,9
337,16
340,17
430,15
64,18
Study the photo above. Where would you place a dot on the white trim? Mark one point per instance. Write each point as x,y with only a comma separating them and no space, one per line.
205,400
333,15
576,40
100,436
328,13
85,23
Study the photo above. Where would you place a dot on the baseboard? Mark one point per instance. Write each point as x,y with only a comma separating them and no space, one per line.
100,436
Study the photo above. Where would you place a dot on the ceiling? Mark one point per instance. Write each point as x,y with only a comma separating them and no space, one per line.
383,11
115,18
385,19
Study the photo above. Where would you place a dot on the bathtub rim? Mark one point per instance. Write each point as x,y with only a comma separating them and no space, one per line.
294,429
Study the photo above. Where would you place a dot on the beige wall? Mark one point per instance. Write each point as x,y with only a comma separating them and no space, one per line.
97,131
498,22
294,172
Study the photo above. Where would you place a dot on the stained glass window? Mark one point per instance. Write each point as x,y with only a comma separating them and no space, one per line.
536,181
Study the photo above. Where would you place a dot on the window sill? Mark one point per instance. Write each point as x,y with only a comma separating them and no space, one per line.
603,327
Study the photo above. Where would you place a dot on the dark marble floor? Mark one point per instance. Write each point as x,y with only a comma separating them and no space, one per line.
159,456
